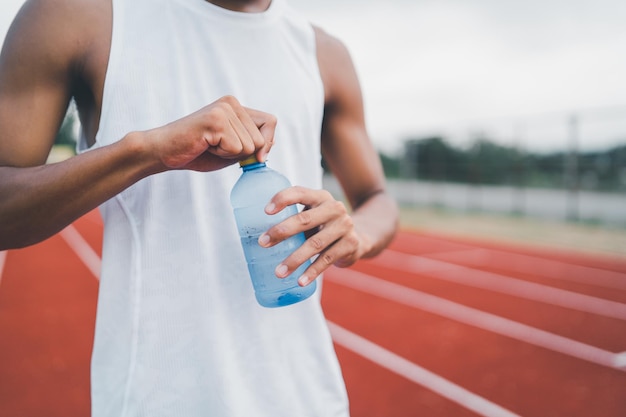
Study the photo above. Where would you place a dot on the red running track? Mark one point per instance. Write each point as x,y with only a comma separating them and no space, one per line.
435,326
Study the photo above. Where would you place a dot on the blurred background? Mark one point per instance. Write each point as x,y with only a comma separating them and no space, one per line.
498,124
505,118
515,108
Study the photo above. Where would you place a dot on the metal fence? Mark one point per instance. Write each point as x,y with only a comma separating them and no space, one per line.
562,166
584,150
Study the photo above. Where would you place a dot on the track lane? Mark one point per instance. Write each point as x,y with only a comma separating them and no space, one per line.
425,242
593,282
523,378
494,367
82,249
603,332
415,373
378,392
477,318
533,265
47,311
504,283
609,401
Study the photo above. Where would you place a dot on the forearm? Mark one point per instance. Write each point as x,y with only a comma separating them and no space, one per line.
36,202
375,222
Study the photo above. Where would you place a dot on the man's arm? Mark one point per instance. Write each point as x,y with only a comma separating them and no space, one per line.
42,61
341,237
348,150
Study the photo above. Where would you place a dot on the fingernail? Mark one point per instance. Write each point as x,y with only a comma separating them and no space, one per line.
281,270
270,208
304,280
264,239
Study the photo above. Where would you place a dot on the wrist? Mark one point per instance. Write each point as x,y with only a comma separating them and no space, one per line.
142,155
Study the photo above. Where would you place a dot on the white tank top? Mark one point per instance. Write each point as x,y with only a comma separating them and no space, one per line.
178,330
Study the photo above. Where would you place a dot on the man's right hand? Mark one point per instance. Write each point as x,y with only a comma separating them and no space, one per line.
38,201
215,136
44,62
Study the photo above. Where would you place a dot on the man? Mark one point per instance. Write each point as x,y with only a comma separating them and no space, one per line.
178,332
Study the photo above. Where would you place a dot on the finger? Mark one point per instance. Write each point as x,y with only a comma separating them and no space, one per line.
332,216
224,131
247,130
237,119
222,138
266,125
298,195
322,243
253,126
315,245
344,251
228,145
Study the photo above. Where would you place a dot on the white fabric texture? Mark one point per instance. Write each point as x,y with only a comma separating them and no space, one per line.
178,330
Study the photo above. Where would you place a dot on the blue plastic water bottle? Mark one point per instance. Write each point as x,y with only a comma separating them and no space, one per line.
252,192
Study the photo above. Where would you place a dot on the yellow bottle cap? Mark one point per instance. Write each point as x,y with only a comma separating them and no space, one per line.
248,161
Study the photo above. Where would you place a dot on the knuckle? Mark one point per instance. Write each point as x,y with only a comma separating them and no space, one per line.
304,218
229,100
327,259
346,261
258,141
221,109
340,207
247,147
293,194
215,116
316,243
325,195
347,222
353,241
235,147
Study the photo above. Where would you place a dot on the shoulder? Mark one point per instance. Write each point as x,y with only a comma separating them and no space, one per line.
57,31
327,42
59,18
53,50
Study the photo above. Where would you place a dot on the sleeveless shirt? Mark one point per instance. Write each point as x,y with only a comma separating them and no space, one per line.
178,330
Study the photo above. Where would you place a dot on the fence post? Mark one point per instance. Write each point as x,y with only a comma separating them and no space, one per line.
518,205
571,170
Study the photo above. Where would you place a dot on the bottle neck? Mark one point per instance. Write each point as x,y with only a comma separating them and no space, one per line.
254,165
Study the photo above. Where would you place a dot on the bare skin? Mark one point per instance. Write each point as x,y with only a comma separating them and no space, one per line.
45,62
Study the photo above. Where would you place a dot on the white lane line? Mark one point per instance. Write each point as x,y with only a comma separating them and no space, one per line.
501,283
416,373
3,258
620,360
473,317
537,266
84,251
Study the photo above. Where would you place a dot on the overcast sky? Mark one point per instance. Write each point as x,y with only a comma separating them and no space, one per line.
429,66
